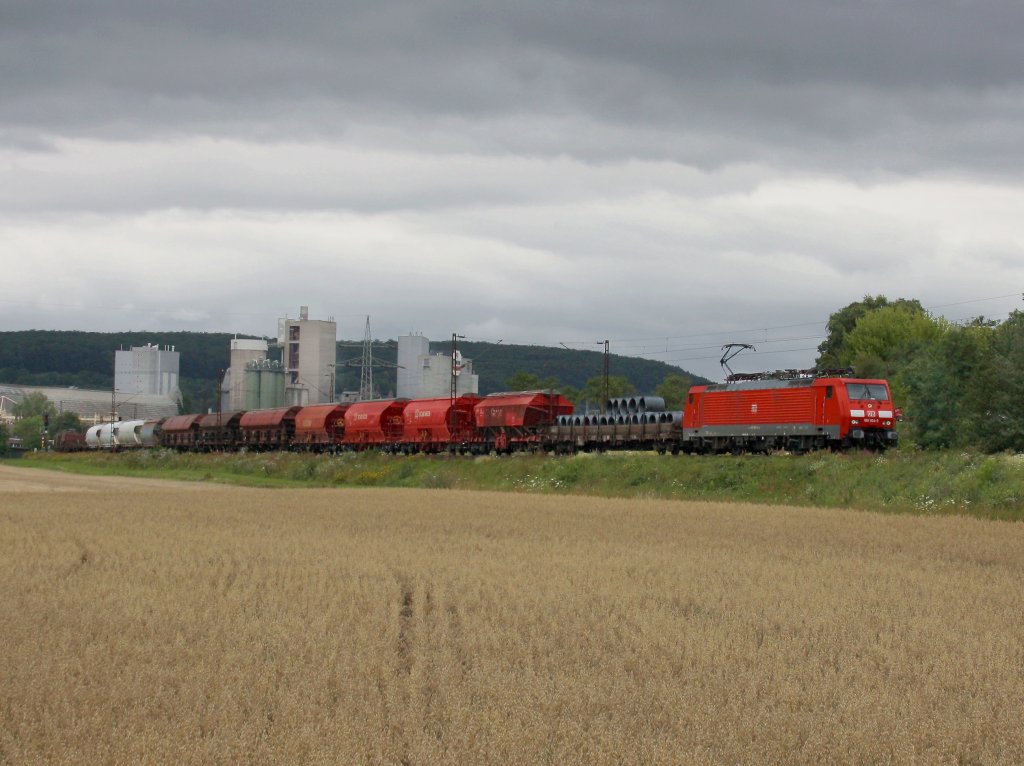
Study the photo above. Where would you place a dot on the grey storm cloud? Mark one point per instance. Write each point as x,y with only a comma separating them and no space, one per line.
895,86
676,173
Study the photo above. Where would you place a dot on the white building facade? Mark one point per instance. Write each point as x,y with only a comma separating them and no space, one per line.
243,351
422,375
308,354
147,370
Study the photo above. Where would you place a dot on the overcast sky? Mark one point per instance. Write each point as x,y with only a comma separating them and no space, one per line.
671,176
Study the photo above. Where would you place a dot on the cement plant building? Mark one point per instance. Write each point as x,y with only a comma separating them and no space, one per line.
308,356
147,369
145,387
243,352
422,375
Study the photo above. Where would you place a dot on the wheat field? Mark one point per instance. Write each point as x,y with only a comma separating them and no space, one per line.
154,622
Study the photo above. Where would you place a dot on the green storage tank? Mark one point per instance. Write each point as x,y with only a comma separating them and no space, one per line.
252,387
271,387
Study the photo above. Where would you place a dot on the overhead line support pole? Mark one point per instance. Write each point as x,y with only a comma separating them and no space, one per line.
607,368
452,414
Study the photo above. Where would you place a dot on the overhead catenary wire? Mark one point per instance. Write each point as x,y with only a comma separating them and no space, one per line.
624,343
665,347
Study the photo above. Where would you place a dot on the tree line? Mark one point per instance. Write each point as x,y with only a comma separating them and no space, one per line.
34,414
960,385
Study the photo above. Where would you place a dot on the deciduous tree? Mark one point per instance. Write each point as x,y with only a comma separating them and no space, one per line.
833,351
29,430
673,390
527,381
35,407
593,392
937,382
994,401
884,340
34,404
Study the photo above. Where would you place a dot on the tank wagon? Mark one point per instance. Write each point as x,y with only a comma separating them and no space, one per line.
149,434
128,434
124,434
92,438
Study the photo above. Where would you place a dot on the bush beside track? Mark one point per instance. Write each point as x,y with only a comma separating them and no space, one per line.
945,483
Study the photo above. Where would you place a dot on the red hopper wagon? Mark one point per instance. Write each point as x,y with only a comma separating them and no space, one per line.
433,425
320,427
218,431
179,432
511,420
268,429
374,423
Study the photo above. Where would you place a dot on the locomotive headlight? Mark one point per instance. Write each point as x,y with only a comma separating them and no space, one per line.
854,422
886,422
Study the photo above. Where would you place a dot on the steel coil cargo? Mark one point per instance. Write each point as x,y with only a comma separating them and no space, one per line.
651,404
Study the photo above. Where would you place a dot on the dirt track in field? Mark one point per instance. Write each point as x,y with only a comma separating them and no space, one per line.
17,479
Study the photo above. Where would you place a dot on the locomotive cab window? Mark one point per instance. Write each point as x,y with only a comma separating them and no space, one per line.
828,392
876,391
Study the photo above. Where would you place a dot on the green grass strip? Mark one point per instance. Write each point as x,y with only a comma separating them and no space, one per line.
929,483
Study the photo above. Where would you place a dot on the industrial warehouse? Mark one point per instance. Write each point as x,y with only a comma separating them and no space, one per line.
145,386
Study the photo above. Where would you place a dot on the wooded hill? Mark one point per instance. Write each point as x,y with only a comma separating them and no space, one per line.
86,360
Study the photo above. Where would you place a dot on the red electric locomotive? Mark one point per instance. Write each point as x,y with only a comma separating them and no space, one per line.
796,410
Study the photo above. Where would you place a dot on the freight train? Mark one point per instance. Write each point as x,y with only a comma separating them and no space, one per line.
793,410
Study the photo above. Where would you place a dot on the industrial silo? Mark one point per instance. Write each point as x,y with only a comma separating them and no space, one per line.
271,386
252,386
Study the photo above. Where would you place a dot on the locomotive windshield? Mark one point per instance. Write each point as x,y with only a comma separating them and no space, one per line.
876,391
